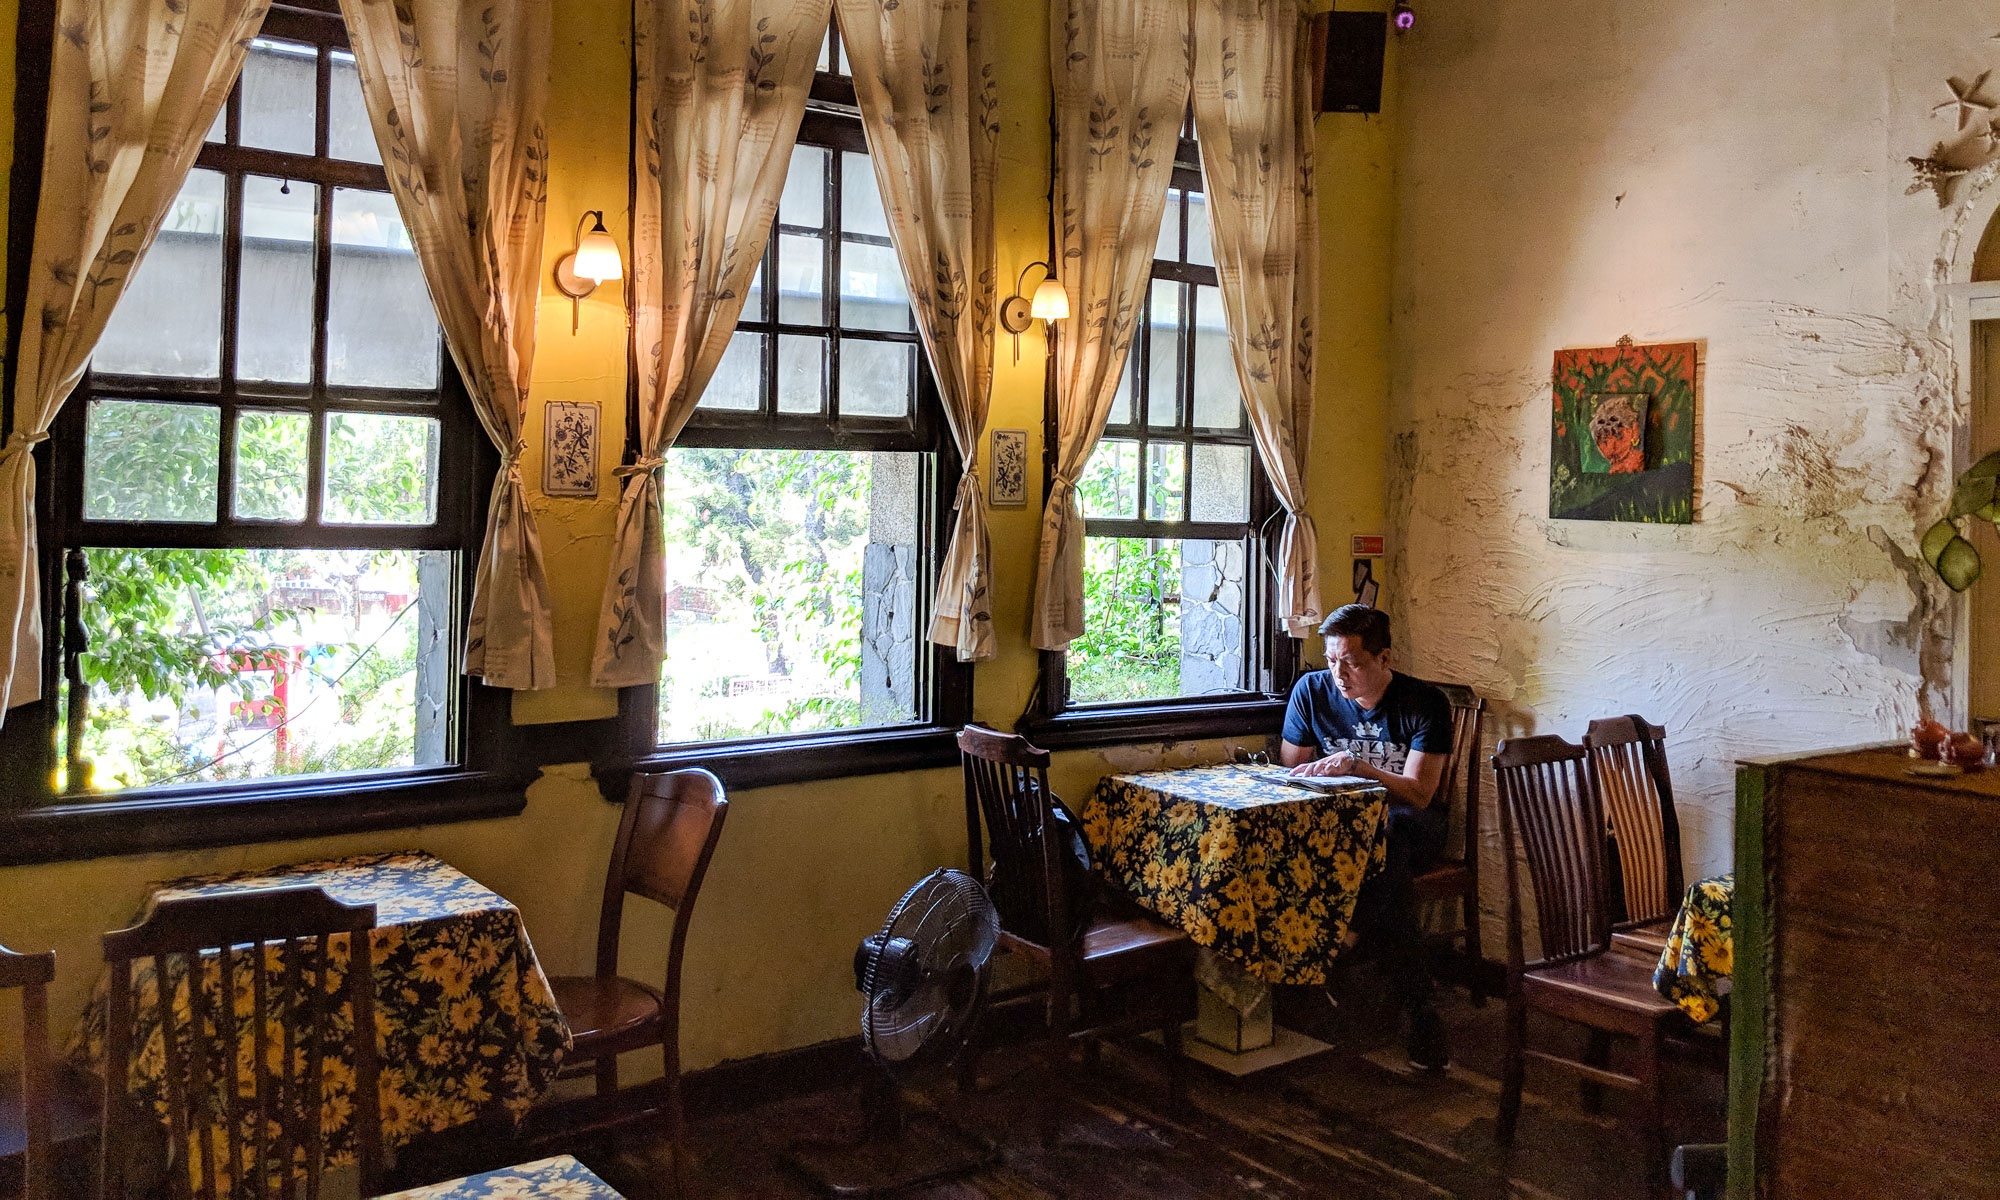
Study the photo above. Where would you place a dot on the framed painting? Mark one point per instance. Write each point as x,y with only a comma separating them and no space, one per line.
569,449
1010,468
1622,434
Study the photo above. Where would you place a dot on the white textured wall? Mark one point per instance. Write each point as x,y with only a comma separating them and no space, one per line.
1719,171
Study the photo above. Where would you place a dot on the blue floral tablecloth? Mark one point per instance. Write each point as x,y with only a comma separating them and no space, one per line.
1262,874
1700,949
561,1178
465,1022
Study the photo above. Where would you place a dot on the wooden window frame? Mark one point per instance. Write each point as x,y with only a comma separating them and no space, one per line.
944,685
495,759
1271,659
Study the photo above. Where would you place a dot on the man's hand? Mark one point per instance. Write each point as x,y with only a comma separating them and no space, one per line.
1340,762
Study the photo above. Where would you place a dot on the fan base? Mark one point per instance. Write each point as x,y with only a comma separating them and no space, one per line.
926,1149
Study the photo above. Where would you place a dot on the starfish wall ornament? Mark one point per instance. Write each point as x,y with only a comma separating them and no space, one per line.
1934,174
1965,101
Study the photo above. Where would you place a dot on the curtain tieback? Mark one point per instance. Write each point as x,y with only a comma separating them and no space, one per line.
1061,488
644,466
20,443
968,486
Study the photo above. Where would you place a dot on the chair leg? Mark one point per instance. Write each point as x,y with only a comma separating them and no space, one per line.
1475,963
607,1074
1511,1075
677,1135
968,1067
1651,1116
1596,1054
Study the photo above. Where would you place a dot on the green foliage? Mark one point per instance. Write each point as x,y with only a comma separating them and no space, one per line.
1131,644
1976,494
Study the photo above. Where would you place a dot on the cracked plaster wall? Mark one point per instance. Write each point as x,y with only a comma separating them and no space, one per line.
1573,170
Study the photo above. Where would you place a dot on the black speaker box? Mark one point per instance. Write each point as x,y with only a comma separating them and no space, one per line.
1351,64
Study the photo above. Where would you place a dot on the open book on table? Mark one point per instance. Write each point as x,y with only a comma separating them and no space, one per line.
1323,784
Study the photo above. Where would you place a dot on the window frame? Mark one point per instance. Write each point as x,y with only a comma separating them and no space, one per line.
944,684
495,760
1271,657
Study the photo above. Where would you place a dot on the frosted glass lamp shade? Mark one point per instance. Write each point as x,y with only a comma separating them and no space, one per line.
597,257
1051,302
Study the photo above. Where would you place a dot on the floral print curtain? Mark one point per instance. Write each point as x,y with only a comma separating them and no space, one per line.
133,87
1120,74
719,88
1253,115
923,77
456,94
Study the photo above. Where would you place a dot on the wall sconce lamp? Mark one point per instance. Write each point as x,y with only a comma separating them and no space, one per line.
594,260
1051,303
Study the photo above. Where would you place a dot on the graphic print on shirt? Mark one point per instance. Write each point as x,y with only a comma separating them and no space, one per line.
1371,744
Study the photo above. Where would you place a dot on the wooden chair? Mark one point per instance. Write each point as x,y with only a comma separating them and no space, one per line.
1630,758
213,1101
1549,797
671,824
1125,973
1458,878
24,1115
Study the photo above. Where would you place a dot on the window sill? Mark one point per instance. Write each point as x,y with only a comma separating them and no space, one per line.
190,818
802,759
1166,720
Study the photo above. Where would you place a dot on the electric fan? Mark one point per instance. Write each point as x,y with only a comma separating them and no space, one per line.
922,980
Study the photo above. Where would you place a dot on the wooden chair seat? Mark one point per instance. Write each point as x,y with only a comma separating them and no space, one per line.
1446,881
1608,981
603,1012
1118,947
1646,941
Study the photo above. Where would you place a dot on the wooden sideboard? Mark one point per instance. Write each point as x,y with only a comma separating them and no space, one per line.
1865,1056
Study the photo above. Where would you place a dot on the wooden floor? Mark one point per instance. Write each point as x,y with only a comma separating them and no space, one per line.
1352,1123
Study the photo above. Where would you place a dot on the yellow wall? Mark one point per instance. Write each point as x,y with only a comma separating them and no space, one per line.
804,871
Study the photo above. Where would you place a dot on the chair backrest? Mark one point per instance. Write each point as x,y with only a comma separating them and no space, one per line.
1007,782
244,1118
666,838
31,973
1459,786
1549,795
1629,755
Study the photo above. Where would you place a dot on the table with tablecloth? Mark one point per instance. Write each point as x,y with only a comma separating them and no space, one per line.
1700,952
560,1178
1263,874
466,1025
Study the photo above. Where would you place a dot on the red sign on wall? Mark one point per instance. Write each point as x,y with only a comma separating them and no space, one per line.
1367,545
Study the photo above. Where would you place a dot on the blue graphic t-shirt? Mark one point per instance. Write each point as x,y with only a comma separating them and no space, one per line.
1412,715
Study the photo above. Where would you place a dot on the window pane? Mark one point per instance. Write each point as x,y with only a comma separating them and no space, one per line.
801,374
1168,244
872,295
279,86
753,299
274,313
1218,394
1161,618
272,449
381,330
169,321
349,135
1200,252
792,592
1163,374
1121,400
218,130
877,379
825,62
737,382
1166,480
1110,483
380,470
860,202
1221,490
801,279
803,202
150,462
214,665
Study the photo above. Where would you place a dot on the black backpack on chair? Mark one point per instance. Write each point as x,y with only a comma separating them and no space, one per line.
1018,892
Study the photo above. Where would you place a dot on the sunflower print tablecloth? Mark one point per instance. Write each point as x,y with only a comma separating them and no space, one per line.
1700,951
465,1022
1262,874
561,1178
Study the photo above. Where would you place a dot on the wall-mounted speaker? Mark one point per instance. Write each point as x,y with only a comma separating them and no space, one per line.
1348,50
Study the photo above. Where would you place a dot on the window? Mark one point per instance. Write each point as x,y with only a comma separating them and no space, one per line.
264,496
802,501
1176,597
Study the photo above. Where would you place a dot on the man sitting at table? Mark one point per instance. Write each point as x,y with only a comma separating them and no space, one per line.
1362,717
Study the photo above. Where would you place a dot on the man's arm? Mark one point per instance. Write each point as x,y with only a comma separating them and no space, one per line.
1415,786
1291,754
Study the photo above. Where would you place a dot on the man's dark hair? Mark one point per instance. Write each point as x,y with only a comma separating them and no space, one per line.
1371,625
